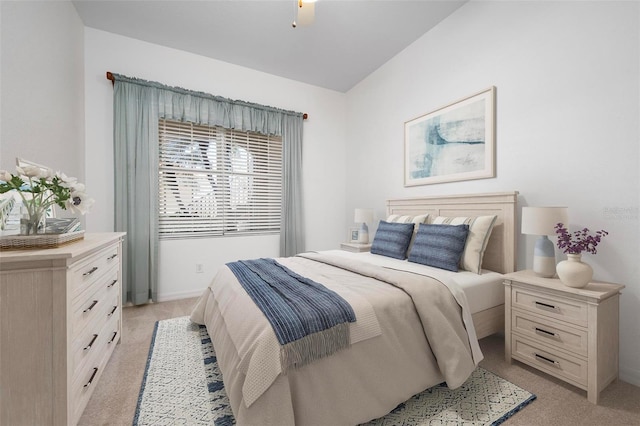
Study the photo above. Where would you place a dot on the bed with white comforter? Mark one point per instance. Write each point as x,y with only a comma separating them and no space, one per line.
413,328
410,335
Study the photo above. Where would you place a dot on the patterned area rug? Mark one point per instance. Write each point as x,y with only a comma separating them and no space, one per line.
183,385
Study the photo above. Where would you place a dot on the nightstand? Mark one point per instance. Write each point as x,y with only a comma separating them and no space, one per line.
570,333
355,247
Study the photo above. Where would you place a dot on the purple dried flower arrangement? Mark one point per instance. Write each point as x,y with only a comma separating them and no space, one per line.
578,241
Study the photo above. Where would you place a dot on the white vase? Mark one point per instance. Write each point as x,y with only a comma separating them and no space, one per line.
573,272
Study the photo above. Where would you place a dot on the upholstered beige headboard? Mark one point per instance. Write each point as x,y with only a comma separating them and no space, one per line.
500,255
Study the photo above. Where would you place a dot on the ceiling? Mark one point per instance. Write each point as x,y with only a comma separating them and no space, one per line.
348,40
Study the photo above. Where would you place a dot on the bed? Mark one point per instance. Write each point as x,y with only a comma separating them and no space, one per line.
400,345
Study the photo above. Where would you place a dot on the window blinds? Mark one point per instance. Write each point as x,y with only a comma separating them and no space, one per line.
215,181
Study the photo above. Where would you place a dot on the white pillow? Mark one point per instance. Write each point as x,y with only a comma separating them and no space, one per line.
396,218
416,220
479,232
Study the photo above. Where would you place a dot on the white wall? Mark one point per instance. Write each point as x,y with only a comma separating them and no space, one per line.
42,90
324,160
568,95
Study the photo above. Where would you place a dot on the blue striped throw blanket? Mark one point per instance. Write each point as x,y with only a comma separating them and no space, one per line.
309,320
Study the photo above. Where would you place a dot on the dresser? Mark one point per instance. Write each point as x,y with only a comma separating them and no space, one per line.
569,333
60,320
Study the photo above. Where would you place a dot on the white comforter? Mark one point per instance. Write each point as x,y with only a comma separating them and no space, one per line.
390,359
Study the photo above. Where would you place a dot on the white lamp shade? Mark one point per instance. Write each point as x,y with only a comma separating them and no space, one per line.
363,216
542,220
306,13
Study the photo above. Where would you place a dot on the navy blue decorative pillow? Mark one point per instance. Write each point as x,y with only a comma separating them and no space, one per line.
440,246
392,239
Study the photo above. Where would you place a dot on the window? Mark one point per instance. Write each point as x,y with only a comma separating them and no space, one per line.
215,181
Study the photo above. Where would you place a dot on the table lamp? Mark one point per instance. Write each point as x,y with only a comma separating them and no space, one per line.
541,221
363,216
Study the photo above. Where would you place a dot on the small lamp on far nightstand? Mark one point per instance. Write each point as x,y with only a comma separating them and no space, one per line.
541,221
363,216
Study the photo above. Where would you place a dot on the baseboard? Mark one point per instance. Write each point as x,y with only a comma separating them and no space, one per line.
630,376
166,297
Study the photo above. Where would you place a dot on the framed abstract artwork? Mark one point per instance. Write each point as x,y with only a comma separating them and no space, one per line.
453,143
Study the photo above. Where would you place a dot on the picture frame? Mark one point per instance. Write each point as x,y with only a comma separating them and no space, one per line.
354,233
453,143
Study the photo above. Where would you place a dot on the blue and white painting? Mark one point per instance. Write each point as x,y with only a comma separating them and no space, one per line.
452,143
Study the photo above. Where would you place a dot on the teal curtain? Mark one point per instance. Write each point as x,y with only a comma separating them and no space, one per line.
291,226
138,104
135,135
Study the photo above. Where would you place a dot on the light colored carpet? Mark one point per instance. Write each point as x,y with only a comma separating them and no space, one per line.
557,404
183,385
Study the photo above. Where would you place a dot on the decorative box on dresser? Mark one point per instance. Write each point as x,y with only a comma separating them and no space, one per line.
570,333
60,320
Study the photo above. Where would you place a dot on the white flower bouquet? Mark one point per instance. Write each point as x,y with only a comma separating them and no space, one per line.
40,188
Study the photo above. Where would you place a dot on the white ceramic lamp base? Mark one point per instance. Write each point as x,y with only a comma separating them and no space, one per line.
363,234
544,258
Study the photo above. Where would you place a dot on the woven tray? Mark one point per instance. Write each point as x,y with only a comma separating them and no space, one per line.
42,241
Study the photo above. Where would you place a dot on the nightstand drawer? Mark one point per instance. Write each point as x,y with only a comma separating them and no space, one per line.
552,361
550,332
560,308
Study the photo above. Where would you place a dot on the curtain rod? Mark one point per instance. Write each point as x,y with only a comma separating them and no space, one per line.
113,80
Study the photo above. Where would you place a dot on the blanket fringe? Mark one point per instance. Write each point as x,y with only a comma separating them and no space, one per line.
314,346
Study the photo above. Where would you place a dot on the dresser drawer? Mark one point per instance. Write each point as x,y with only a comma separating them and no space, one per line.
86,377
550,332
105,329
103,303
90,286
89,270
560,308
548,359
108,278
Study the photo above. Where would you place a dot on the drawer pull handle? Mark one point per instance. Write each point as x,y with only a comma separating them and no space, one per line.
90,271
95,302
547,360
95,336
115,333
546,306
95,370
113,256
545,332
112,283
112,311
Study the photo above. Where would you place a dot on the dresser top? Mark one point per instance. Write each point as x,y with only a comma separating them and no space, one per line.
80,248
595,289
